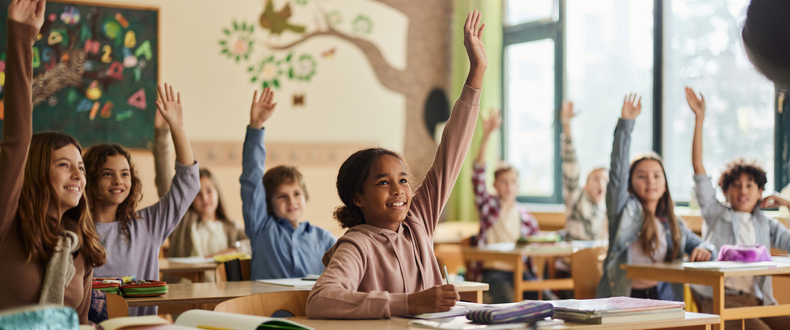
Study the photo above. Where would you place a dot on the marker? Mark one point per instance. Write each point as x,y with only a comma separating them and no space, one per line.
446,278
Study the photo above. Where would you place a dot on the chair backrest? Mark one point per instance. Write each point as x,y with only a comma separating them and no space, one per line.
266,304
221,274
586,270
116,306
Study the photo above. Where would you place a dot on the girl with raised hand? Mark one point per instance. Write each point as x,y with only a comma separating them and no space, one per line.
133,238
273,203
47,239
384,265
643,227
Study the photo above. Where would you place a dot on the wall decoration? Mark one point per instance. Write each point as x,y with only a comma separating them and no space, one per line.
428,47
94,67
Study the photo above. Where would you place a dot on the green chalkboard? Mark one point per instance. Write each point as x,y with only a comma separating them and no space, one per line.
95,70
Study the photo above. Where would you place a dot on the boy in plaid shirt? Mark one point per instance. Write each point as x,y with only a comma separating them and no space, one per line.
502,219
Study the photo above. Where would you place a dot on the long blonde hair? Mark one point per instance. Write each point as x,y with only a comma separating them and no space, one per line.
664,209
40,232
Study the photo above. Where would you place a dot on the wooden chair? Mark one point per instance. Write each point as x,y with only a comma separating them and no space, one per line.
221,274
116,306
586,270
266,304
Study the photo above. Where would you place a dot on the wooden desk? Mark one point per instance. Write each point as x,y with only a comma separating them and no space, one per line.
214,293
539,254
194,272
692,321
676,273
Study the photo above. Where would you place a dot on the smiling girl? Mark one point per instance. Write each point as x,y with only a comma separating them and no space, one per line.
133,239
384,265
48,244
643,227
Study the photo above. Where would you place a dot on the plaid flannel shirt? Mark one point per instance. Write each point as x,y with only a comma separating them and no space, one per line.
488,207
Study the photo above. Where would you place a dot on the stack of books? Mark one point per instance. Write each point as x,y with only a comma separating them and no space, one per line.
617,310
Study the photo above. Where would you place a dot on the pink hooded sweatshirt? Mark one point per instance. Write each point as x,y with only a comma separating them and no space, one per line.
370,271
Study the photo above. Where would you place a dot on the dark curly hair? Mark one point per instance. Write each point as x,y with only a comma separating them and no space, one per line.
350,182
733,170
94,160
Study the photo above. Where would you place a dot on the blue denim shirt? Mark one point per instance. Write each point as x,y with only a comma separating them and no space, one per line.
721,225
278,249
624,212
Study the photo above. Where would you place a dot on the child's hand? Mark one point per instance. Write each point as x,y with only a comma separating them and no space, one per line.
700,254
566,114
169,105
27,11
697,105
436,299
160,122
262,108
773,201
492,123
632,106
475,50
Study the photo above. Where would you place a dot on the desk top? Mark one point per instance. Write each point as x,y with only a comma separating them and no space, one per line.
678,269
560,249
692,319
167,266
213,293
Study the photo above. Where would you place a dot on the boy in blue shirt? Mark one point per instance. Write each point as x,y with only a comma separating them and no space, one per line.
273,204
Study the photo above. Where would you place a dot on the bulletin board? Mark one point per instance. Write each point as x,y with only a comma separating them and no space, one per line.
95,71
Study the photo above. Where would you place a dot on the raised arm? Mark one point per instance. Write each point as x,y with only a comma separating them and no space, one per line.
490,124
25,18
698,106
162,165
617,189
169,105
431,196
164,216
570,165
253,193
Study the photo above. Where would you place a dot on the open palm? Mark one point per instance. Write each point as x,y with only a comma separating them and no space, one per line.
27,11
696,104
492,123
473,40
262,108
632,106
169,105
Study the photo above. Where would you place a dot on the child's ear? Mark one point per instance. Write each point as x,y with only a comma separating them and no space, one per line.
358,200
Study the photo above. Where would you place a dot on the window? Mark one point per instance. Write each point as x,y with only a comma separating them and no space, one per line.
595,52
703,49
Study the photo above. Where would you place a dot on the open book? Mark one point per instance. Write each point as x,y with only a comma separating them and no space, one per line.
460,308
202,319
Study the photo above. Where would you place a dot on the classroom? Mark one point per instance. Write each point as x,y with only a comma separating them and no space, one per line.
362,164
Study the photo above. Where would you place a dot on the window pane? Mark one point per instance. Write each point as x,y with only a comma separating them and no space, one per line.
703,50
530,115
609,54
525,11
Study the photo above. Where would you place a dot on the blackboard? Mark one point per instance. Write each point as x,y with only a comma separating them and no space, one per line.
95,70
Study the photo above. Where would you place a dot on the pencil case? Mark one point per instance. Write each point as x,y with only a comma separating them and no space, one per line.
145,288
744,253
113,288
523,312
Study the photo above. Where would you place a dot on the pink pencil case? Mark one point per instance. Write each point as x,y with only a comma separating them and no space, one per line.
744,253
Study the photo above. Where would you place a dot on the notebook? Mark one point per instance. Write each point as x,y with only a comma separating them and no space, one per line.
297,283
617,310
733,265
460,308
203,319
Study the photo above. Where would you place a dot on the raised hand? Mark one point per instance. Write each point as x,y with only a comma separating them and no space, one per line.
27,11
169,105
436,299
492,123
632,106
566,113
262,108
475,50
773,201
696,104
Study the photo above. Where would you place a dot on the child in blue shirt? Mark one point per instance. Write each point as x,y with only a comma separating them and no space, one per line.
273,204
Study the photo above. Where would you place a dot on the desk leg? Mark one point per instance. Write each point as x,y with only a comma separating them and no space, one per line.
518,279
718,302
472,296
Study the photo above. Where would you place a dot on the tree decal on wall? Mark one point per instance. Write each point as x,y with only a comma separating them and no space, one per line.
428,55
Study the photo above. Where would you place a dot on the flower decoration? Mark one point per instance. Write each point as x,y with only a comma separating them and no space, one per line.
362,25
238,41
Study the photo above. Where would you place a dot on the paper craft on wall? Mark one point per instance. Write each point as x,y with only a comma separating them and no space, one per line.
94,68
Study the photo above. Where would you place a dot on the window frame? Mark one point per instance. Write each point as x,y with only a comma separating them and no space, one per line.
547,28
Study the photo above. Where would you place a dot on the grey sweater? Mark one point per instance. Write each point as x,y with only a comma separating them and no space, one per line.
140,256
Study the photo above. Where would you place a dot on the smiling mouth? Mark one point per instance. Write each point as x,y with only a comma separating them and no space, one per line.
116,191
73,189
397,204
